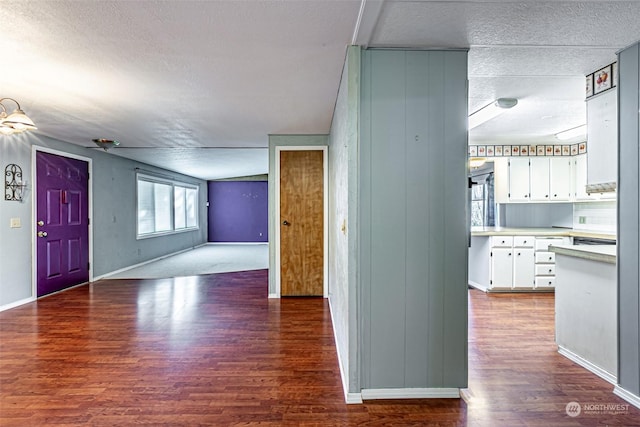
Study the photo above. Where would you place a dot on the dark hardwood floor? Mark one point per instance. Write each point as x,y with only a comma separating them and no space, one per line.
214,351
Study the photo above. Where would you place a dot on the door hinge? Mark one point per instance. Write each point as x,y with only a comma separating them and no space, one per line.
491,282
88,221
490,253
88,266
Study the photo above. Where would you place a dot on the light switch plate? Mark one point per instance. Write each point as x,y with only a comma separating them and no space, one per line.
15,223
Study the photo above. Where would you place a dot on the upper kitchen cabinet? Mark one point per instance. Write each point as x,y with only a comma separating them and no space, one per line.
602,138
536,179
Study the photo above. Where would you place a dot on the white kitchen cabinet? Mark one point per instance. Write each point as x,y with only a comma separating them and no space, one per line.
602,138
500,263
560,178
512,262
580,178
523,262
501,176
539,179
501,268
519,179
545,261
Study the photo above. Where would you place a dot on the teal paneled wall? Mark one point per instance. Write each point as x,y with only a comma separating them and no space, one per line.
412,219
629,220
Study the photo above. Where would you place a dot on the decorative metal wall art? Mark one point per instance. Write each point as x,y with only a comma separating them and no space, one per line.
13,184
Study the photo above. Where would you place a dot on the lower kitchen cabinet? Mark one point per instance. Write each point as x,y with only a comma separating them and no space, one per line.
513,263
545,262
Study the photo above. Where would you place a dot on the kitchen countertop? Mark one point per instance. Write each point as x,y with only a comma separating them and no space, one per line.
601,253
550,231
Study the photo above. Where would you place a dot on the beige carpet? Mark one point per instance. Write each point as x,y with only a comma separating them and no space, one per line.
207,259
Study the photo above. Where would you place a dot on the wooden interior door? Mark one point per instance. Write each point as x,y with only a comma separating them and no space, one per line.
301,223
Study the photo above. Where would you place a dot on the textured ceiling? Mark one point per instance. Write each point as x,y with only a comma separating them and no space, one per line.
228,73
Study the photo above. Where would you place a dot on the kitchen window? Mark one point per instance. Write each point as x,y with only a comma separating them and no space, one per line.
482,199
165,206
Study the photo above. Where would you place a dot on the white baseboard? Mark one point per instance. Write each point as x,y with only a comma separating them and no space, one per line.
477,286
627,395
353,398
16,303
237,243
410,393
349,398
274,296
111,273
607,376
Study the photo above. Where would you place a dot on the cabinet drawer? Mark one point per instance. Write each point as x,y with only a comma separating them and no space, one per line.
545,282
501,241
545,269
523,241
542,244
545,257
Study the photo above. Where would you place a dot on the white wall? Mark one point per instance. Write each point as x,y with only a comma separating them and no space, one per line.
343,144
598,216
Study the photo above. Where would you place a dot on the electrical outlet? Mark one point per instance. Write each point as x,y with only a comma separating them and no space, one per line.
582,219
15,223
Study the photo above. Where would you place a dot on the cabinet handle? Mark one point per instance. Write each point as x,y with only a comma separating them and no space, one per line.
550,270
509,253
525,241
555,195
518,253
546,195
526,195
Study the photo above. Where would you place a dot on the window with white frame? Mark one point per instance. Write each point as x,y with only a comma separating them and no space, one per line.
165,206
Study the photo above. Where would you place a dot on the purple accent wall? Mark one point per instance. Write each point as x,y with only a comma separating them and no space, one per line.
238,211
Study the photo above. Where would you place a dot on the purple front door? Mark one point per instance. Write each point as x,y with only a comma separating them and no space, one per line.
62,222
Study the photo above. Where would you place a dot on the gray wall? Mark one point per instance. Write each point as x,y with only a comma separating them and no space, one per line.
113,186
413,219
275,141
628,221
343,156
536,215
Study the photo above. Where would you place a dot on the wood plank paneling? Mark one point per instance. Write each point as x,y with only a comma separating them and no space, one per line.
214,350
413,218
388,218
629,221
301,223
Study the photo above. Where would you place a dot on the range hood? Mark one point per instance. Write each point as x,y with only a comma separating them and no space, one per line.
605,187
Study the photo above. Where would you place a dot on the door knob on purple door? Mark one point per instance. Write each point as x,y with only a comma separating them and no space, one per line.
42,234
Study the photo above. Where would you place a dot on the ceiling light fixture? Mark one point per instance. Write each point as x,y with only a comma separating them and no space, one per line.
476,162
572,133
490,111
15,122
105,144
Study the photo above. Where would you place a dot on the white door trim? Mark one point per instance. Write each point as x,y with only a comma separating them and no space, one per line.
325,227
34,212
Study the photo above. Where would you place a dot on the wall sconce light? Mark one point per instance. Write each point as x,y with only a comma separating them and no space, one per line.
15,122
13,184
490,111
580,131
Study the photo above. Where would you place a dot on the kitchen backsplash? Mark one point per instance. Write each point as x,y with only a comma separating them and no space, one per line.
536,215
595,216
